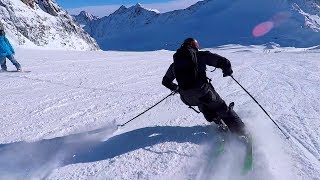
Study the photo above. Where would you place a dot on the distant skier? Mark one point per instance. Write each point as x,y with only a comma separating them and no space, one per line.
195,89
6,51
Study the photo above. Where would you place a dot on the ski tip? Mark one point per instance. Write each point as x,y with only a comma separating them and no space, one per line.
18,71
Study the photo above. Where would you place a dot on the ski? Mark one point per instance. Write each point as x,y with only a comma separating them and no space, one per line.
248,158
215,154
247,140
221,143
15,71
247,163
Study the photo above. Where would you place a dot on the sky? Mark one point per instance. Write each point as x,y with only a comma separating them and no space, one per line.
105,7
81,3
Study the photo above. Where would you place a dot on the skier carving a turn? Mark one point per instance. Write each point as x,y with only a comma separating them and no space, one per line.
195,89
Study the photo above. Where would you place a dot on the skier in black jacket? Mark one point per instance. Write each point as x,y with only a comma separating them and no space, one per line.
201,93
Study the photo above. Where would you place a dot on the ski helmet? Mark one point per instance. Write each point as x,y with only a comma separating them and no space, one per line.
191,42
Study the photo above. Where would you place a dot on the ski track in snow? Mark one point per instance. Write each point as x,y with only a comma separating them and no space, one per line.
59,120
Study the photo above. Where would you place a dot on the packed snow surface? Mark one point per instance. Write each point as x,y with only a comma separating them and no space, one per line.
60,120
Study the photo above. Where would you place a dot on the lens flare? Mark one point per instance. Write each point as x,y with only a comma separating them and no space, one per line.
280,18
262,28
275,21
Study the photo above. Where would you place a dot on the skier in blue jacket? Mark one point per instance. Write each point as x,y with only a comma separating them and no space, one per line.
7,51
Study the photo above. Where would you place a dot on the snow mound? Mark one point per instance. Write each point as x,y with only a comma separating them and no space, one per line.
271,45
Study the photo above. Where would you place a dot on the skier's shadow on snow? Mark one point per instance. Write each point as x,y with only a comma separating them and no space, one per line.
77,148
143,139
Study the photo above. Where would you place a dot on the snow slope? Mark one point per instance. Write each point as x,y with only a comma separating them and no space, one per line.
42,23
59,120
293,23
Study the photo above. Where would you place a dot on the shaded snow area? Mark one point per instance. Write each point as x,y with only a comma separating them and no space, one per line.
60,120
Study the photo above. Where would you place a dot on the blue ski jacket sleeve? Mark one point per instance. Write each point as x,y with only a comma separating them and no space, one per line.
6,48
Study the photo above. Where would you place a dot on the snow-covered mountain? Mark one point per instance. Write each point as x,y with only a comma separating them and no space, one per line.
84,18
286,22
122,22
43,23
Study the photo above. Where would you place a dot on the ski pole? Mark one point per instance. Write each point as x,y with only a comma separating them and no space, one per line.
172,93
287,137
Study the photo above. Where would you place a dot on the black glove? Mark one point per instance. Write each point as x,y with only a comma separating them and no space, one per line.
227,72
176,89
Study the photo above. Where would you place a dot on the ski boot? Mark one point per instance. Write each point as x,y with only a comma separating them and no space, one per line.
18,66
3,68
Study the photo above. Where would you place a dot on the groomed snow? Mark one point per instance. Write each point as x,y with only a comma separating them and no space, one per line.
59,121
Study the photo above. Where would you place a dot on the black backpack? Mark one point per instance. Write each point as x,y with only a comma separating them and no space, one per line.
186,67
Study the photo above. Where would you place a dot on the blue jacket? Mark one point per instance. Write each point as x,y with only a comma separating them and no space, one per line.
5,47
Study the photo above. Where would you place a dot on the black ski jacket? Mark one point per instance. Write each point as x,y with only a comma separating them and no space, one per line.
204,58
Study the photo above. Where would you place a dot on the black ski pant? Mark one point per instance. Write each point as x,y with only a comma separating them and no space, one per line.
213,107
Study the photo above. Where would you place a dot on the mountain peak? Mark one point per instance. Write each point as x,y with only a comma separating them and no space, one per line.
122,7
138,5
120,10
136,9
83,13
83,18
86,15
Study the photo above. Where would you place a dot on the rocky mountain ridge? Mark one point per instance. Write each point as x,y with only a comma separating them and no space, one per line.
43,23
291,23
